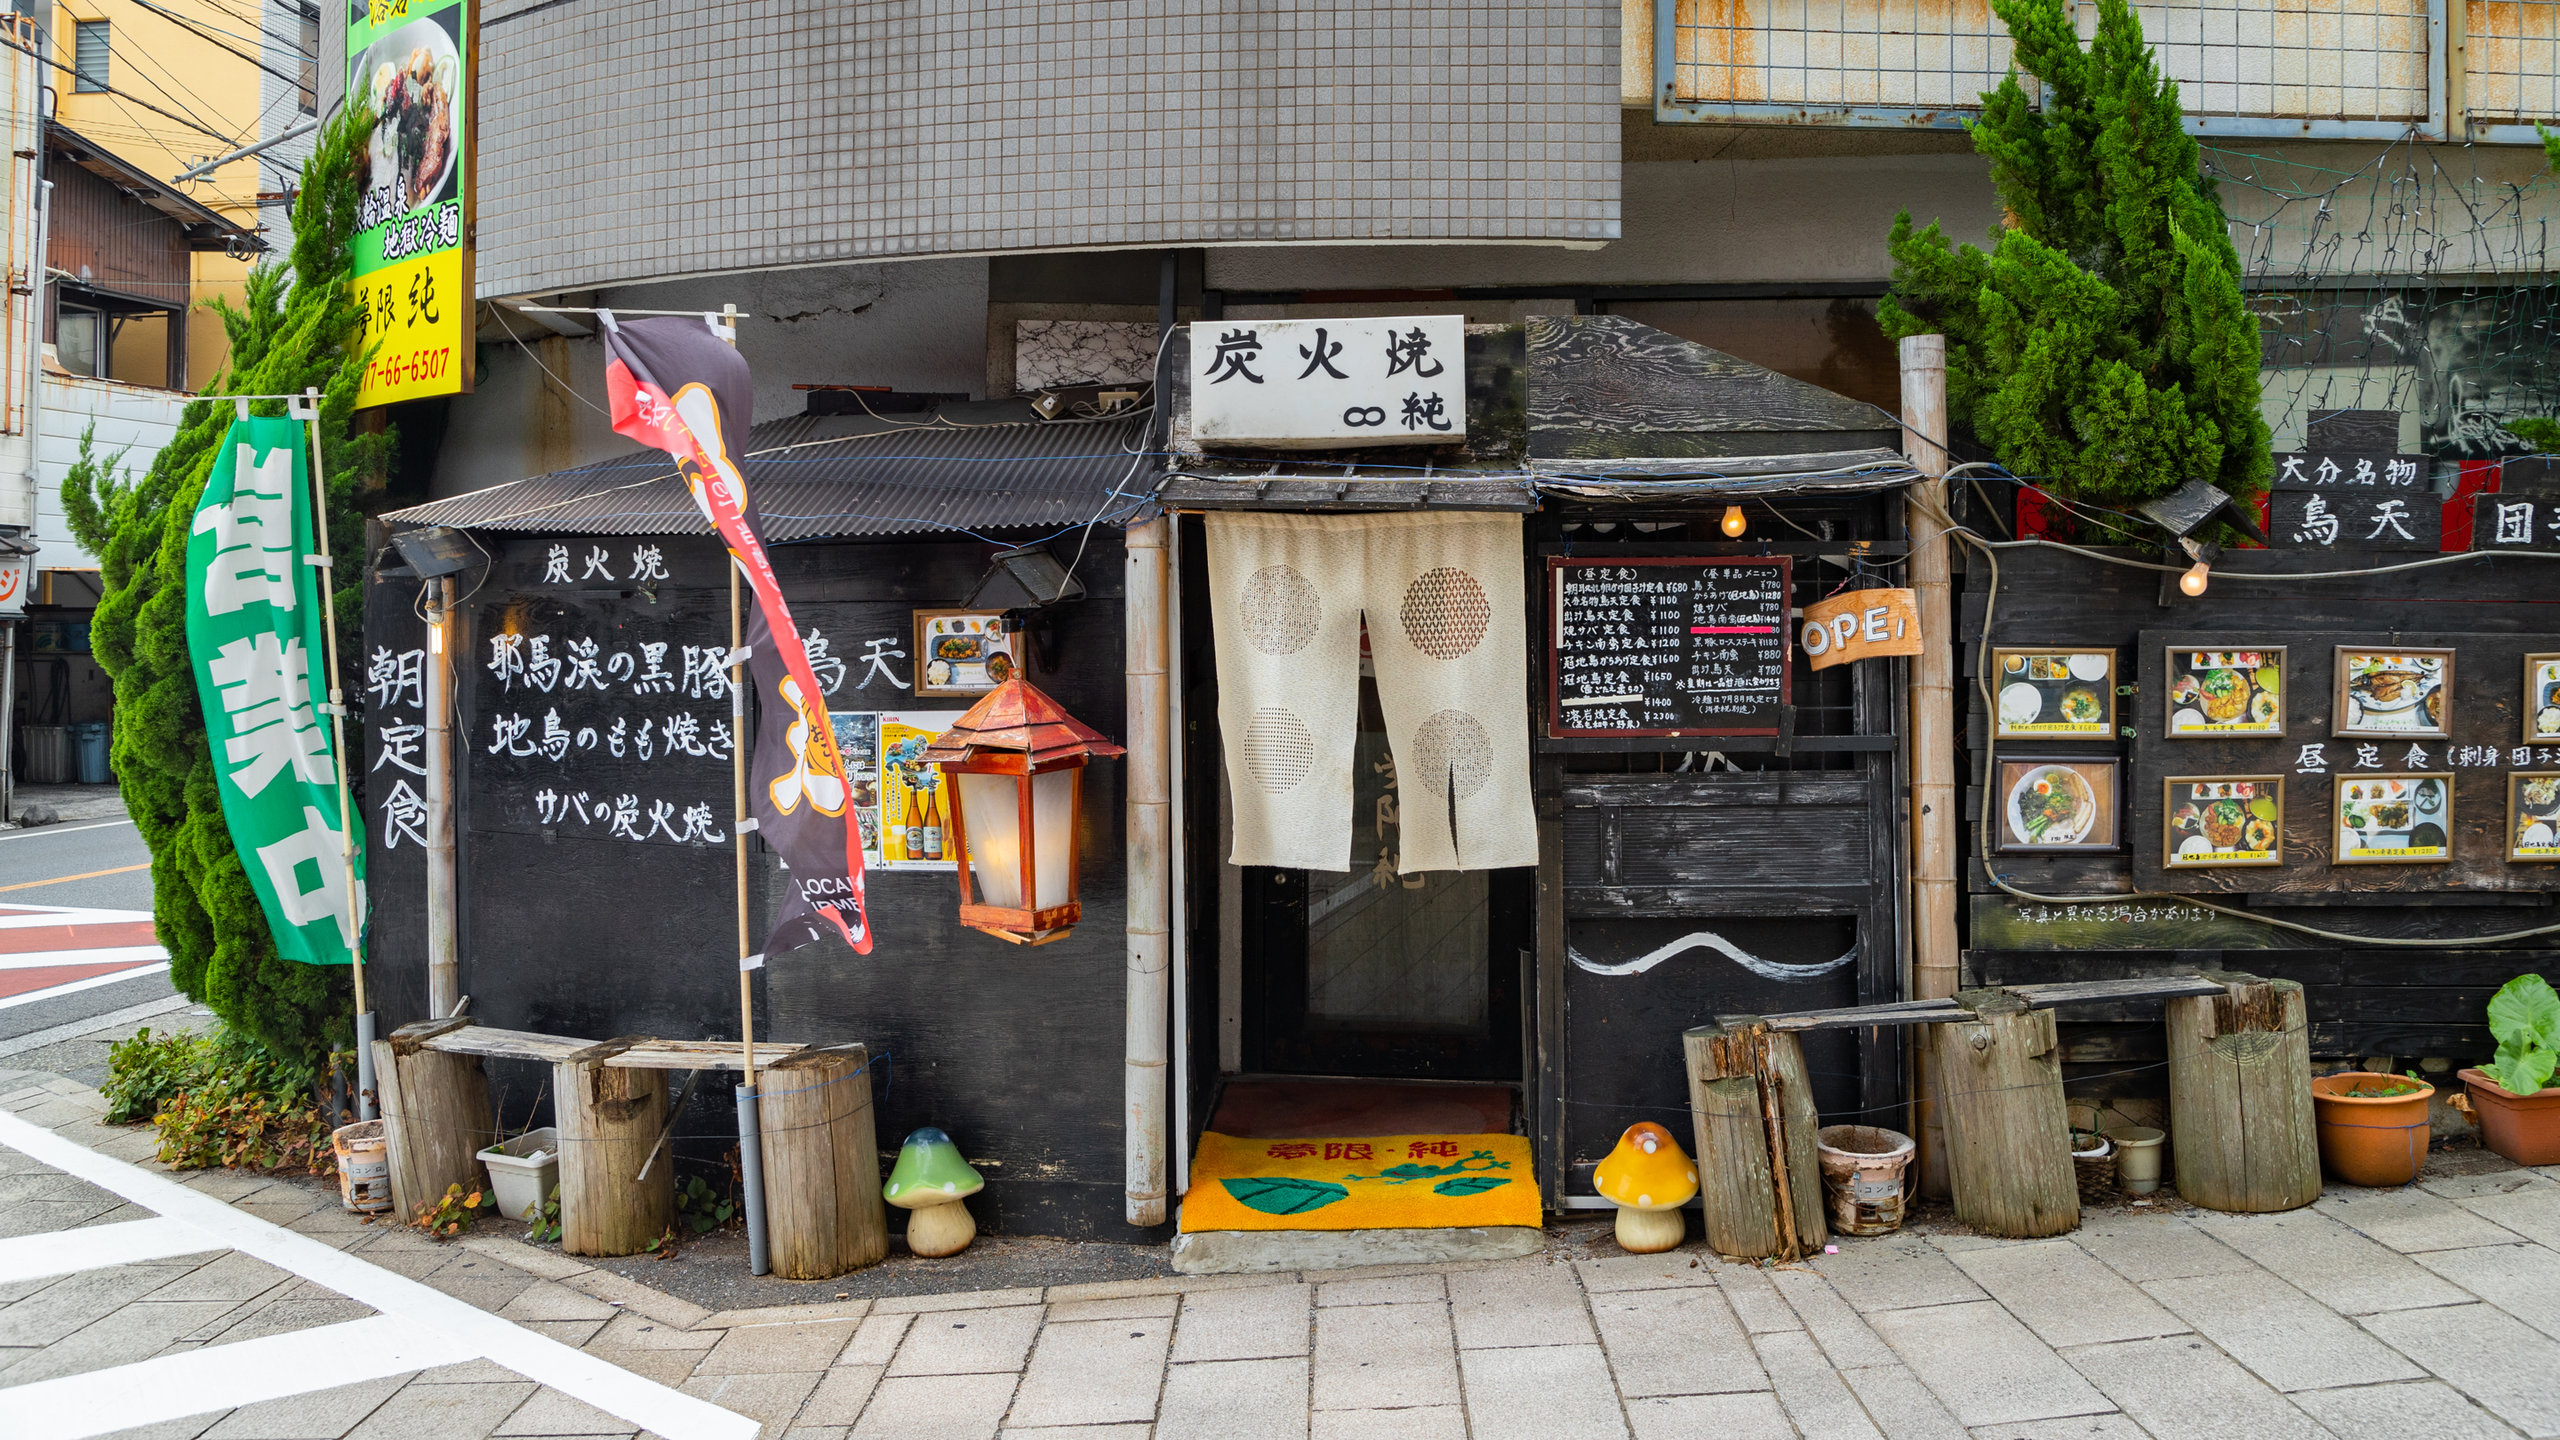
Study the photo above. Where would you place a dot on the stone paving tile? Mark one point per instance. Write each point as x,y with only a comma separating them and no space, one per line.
840,1396
1675,1342
2159,1247
133,1333
969,1300
2065,1295
1533,1304
670,1368
551,1413
967,1342
1894,1273
42,1217
320,1415
1132,1307
1835,1327
1672,1269
2283,1336
1756,1301
1419,1422
1264,1323
283,1316
1095,1372
770,1400
2398,1412
2483,1182
632,1295
875,1340
1383,1290
429,1411
1059,1432
776,1314
1986,1366
2069,1427
937,1407
1816,1398
573,1333
1381,1357
1900,1405
2180,1388
1168,1285
1232,1400
2496,1359
550,1300
2410,1220
768,1349
2532,1211
64,1305
1542,1392
628,1331
2523,1280
2331,1263
1743,1416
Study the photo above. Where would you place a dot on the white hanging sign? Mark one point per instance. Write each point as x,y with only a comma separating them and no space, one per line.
1329,384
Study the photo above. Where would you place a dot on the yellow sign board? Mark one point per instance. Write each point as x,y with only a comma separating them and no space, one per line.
414,309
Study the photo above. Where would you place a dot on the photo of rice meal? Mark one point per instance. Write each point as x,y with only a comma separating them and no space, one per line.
2224,821
2393,819
2064,693
2533,815
2226,692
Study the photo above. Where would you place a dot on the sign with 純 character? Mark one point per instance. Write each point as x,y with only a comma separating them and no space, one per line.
412,61
1329,384
1860,625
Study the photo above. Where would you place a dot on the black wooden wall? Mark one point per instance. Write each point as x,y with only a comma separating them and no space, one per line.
2365,999
569,927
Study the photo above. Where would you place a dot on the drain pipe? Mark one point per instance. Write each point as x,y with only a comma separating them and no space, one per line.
1150,797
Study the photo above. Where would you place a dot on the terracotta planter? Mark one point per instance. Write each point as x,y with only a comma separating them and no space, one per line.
2371,1140
2524,1128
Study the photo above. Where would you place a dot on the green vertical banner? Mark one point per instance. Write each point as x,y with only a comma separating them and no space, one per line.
254,618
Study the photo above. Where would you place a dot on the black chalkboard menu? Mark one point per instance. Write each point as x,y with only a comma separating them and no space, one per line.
1667,646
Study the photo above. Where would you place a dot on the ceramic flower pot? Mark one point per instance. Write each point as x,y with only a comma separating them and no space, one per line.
2524,1128
2377,1140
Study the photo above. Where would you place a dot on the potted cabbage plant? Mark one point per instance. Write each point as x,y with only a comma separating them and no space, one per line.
2512,1096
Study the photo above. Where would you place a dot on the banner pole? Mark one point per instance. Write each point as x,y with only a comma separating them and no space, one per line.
337,707
750,1128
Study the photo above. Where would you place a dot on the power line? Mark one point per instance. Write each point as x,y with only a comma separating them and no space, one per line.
121,94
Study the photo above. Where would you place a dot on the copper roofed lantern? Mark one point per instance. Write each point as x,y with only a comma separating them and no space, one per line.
1014,762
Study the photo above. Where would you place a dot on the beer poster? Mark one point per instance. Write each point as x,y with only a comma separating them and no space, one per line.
913,819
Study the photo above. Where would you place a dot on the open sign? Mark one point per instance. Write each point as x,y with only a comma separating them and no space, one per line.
1861,625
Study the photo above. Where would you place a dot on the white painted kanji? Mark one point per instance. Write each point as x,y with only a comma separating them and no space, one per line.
309,871
266,692
253,559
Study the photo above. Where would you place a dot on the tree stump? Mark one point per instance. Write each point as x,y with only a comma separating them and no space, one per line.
823,1211
1800,1127
435,1112
2008,1132
609,1119
1735,1184
2240,1117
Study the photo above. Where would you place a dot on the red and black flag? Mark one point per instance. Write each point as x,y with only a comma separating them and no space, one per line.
676,383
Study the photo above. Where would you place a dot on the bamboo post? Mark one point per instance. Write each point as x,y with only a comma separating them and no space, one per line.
750,1119
444,953
1735,1182
1932,737
308,410
822,1165
1147,1046
435,1115
2008,1134
608,1118
1799,1167
2240,1116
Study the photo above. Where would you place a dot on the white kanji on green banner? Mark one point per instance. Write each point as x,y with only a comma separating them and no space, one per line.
254,617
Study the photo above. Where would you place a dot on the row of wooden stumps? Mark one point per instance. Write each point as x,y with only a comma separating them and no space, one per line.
2240,1118
824,1213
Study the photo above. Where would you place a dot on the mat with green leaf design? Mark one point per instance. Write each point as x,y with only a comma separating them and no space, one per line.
1376,1182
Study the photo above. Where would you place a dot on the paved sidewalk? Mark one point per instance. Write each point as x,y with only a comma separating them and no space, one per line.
2374,1315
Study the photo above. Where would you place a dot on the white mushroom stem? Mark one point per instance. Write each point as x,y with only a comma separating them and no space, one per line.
1640,1232
943,1229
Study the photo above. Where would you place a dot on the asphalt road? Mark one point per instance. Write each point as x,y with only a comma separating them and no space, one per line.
96,863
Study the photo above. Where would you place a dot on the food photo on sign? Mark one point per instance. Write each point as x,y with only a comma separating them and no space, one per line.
2541,698
2213,821
2218,693
2394,819
2394,693
2058,804
965,652
2533,815
2054,693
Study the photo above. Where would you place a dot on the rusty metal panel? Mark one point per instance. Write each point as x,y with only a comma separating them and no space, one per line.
108,242
2511,63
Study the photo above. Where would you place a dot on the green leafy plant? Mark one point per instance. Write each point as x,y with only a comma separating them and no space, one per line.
700,1208
298,325
2100,345
220,1100
2383,1088
546,1221
2524,1016
446,1218
144,1070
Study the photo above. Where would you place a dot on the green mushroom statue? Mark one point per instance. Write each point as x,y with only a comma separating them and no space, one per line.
931,1180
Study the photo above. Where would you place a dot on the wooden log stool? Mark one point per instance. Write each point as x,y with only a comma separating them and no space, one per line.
610,1118
435,1112
823,1212
1746,1085
2240,1117
2008,1130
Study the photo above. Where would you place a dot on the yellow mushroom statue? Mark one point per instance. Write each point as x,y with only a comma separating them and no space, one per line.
1649,1177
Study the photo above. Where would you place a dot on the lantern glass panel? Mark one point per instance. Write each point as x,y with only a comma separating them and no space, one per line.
991,808
1053,820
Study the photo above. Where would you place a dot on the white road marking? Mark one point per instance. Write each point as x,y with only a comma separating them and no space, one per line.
24,834
102,955
18,917
112,1020
73,987
472,1332
214,1378
94,1247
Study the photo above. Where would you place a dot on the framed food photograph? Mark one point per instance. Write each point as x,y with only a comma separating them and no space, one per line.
2394,819
2220,694
2393,693
2533,814
964,652
2058,694
2541,699
2059,804
2212,821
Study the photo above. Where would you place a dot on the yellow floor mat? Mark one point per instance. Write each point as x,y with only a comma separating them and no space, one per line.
1375,1182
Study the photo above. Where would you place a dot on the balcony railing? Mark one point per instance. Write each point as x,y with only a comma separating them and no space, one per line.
2334,69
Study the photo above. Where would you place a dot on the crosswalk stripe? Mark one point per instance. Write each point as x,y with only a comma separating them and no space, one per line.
93,1247
220,1377
55,992
98,955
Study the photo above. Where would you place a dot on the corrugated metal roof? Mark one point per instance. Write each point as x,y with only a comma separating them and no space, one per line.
816,476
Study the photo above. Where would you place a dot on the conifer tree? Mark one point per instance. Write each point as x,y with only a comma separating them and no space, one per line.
295,327
2100,345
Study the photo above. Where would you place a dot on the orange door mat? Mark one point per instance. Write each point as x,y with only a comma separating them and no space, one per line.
1378,1182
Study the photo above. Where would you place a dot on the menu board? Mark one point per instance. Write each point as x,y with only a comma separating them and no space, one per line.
1667,646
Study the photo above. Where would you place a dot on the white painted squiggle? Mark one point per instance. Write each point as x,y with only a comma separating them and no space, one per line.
1710,940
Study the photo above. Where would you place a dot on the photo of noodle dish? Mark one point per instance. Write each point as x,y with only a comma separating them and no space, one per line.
2394,818
2057,804
2533,815
2226,692
2403,693
2237,820
413,76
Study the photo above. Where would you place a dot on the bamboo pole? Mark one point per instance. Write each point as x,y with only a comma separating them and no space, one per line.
750,1120
1149,805
309,412
1933,783
444,955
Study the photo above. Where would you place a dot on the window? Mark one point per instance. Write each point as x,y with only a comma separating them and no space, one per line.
79,339
309,68
89,58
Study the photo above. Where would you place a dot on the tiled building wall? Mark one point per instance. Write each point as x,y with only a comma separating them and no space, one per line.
658,139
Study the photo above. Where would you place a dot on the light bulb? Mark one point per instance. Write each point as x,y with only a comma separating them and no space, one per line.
2193,581
1734,524
435,638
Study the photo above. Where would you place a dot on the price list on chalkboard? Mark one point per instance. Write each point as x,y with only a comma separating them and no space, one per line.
1667,646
